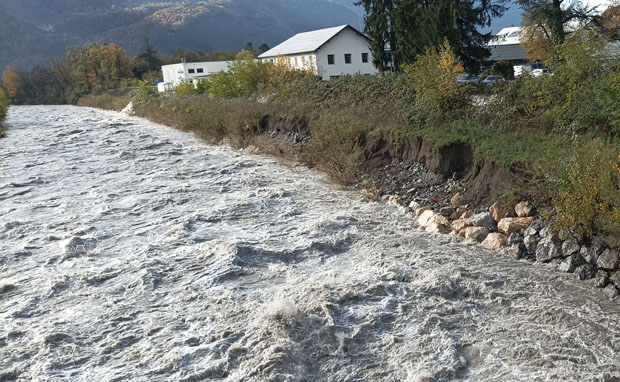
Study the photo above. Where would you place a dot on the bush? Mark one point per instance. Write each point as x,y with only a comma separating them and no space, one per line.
504,68
185,89
104,101
4,105
586,191
433,77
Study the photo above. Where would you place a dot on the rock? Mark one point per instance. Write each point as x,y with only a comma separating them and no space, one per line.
498,211
515,238
459,224
608,260
570,248
456,215
546,231
585,271
602,279
421,210
615,279
495,241
485,220
589,254
456,199
467,215
530,231
510,225
414,205
435,227
547,250
610,291
523,209
515,251
531,242
446,211
478,234
433,222
569,264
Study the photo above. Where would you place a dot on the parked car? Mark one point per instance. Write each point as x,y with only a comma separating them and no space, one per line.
494,80
467,79
540,72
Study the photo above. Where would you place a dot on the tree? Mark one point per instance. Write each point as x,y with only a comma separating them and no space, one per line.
608,23
98,67
262,49
402,30
536,42
249,47
10,78
378,26
147,61
551,16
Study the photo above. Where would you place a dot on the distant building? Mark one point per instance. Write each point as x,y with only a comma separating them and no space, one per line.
329,52
189,72
506,46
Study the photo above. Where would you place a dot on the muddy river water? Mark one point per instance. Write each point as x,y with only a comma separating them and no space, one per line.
130,251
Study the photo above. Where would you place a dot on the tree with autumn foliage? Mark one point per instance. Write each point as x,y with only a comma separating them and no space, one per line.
98,67
10,79
433,77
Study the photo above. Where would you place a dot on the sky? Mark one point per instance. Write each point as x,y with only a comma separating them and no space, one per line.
513,15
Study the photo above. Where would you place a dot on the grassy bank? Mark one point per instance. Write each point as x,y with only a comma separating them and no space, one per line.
558,135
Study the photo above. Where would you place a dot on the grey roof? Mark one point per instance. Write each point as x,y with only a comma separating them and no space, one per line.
307,41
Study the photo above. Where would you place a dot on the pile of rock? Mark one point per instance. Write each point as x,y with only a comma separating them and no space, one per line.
519,234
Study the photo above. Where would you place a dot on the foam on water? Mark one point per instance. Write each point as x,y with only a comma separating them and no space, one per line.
131,251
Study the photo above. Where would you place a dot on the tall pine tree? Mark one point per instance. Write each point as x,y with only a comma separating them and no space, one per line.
378,19
415,25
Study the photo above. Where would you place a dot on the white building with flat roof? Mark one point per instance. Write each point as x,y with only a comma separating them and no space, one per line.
329,52
506,46
190,72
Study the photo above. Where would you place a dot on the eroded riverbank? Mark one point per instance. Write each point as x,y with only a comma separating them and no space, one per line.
131,251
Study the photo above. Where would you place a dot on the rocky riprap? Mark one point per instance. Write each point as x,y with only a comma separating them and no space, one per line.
521,235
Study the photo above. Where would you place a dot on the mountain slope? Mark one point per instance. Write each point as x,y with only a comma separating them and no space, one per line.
44,28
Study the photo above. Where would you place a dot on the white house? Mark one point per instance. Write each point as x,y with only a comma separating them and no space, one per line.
506,46
329,52
189,71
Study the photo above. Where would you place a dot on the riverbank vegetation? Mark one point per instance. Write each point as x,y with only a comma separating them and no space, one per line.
4,108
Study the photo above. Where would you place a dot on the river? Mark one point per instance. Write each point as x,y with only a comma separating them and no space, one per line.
130,251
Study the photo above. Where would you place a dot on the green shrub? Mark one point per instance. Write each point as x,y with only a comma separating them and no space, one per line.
4,105
433,77
185,89
585,191
505,69
222,85
104,101
145,91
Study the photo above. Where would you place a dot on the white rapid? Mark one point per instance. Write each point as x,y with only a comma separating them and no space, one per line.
130,251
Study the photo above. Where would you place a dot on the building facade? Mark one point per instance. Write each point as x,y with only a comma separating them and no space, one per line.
189,72
329,52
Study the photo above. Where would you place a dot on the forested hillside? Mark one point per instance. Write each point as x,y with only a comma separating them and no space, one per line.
33,31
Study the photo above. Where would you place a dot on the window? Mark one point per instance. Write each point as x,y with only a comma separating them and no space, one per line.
295,61
364,57
191,71
330,59
303,60
347,58
200,70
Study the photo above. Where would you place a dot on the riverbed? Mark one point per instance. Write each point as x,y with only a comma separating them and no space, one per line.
130,251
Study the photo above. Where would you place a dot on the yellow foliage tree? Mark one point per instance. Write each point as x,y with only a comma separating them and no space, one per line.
97,67
10,78
536,42
433,77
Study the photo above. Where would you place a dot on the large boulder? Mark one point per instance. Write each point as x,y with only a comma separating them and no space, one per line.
570,248
433,222
499,211
495,241
531,242
459,224
608,260
523,209
585,271
610,291
476,233
508,226
485,220
547,250
570,263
